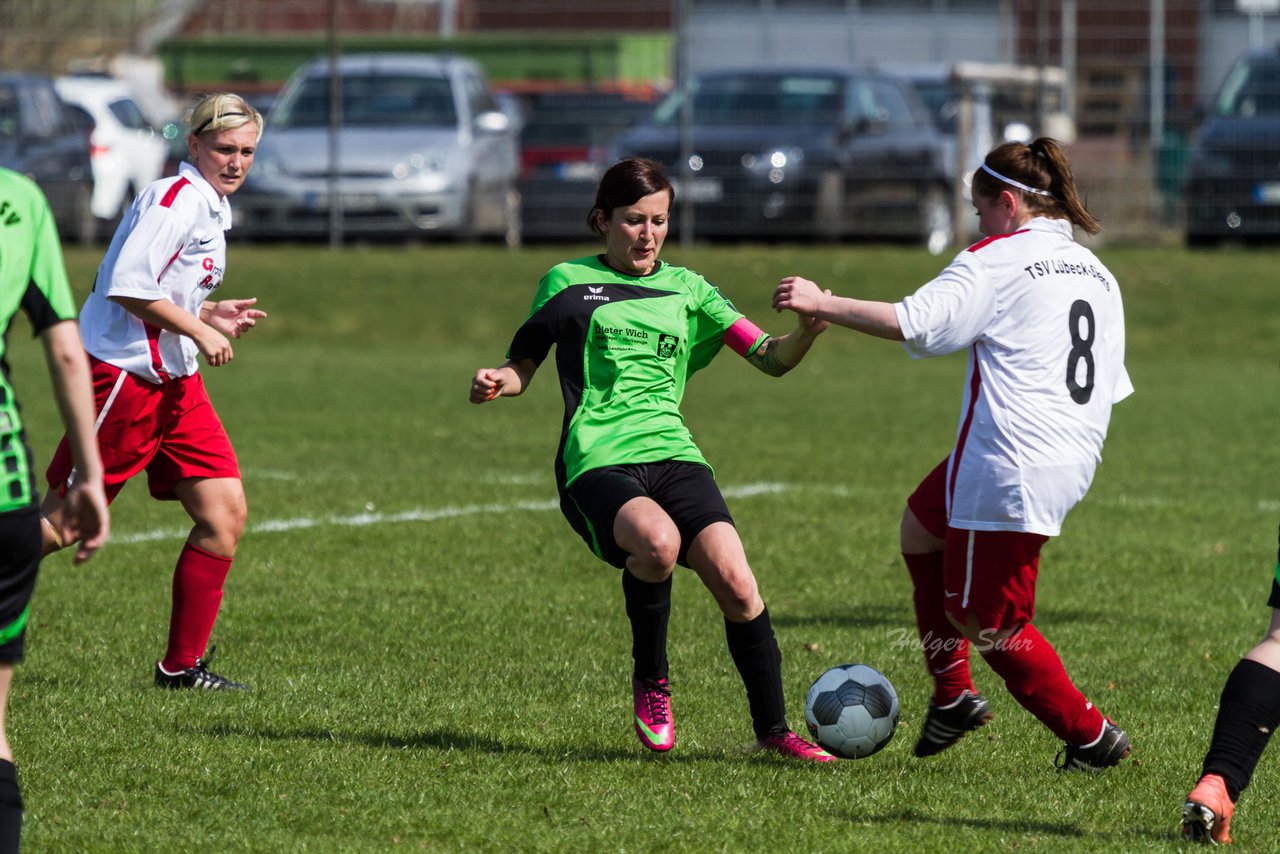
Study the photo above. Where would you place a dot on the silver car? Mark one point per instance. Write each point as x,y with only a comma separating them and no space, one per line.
422,149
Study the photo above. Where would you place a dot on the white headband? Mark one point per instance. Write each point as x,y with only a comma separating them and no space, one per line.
1012,183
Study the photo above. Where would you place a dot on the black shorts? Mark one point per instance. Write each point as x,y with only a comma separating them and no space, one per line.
686,491
19,561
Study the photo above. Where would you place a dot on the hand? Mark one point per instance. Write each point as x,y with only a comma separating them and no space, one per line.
234,317
811,324
85,517
487,384
799,295
215,348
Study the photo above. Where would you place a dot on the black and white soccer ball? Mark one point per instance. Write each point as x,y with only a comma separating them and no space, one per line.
852,710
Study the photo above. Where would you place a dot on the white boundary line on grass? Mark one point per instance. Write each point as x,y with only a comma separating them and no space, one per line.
437,514
360,520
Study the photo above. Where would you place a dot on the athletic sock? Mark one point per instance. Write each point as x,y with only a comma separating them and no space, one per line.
197,595
759,661
946,652
10,807
1034,675
648,609
1248,713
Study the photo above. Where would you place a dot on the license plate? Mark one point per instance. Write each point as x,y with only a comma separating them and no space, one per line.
700,189
1267,193
348,201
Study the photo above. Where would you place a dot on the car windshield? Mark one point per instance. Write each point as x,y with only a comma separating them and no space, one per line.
753,99
371,100
1252,89
577,120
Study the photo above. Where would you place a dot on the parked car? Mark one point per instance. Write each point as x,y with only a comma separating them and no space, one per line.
41,138
423,149
564,149
1232,185
126,151
804,151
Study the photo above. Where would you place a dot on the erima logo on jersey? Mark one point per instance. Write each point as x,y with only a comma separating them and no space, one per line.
596,294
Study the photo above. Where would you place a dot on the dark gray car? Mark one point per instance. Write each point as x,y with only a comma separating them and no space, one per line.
804,152
1233,175
40,138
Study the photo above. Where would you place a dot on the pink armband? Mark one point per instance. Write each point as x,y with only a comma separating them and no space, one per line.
742,336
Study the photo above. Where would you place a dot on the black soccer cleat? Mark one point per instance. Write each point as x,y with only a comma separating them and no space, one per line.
945,725
1107,750
198,677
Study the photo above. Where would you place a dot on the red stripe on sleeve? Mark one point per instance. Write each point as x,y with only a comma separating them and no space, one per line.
173,191
989,240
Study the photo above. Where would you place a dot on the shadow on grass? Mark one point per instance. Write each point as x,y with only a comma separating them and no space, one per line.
1019,826
863,616
447,740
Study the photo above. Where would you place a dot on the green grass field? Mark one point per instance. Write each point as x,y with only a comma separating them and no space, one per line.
438,663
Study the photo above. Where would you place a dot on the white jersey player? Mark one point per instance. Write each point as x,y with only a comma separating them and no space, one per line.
1042,321
149,318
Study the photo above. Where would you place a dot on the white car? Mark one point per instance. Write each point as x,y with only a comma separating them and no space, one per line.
127,152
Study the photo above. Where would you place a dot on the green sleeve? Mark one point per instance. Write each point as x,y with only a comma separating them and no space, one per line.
713,317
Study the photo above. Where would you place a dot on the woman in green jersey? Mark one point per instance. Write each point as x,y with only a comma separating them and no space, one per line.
33,278
628,331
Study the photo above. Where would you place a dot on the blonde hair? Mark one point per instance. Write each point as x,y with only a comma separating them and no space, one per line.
221,111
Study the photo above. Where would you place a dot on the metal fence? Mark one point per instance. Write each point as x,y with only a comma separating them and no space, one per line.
1128,84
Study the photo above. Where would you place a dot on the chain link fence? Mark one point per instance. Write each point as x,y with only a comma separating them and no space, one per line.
847,119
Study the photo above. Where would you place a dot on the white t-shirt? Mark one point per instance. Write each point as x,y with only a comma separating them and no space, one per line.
1044,325
171,245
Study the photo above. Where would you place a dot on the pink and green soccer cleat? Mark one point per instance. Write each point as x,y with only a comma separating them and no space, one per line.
654,724
792,746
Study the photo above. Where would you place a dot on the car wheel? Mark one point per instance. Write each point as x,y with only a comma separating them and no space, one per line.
511,218
937,226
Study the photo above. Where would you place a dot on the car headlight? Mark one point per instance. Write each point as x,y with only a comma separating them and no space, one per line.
775,164
1210,164
432,171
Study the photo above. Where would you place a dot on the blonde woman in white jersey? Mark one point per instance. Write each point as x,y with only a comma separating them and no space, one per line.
149,319
1042,322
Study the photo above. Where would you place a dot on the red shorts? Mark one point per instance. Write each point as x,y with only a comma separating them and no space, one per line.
989,577
170,430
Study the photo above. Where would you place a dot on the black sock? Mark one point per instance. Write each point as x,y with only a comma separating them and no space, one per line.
648,608
759,661
10,807
1248,713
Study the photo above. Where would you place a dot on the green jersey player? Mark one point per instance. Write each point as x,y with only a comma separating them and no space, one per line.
628,331
33,279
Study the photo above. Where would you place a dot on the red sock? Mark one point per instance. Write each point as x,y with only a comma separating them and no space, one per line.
1034,675
946,652
197,594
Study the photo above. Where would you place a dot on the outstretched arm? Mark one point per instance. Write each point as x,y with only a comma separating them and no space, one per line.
806,298
776,356
86,517
508,380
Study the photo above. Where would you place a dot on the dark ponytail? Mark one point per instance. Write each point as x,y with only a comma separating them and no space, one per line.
1042,166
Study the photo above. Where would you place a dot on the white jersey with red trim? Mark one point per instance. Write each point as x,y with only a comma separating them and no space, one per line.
1044,325
171,245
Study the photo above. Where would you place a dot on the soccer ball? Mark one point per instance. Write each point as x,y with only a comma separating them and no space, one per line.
852,710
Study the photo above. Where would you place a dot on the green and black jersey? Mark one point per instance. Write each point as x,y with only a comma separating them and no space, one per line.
33,278
625,345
